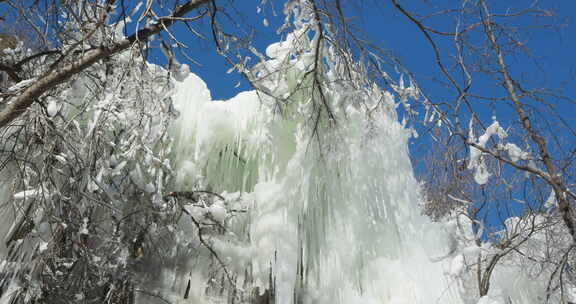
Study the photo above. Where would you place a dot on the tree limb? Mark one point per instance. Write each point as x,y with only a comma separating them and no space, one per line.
560,190
18,104
11,71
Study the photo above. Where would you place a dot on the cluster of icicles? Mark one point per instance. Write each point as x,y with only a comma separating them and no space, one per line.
332,206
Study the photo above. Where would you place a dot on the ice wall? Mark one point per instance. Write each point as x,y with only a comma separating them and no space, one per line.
320,203
333,211
325,175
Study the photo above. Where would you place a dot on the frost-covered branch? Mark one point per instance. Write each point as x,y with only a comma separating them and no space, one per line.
554,178
60,73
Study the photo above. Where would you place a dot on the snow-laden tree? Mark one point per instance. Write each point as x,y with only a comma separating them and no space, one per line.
123,182
123,187
83,181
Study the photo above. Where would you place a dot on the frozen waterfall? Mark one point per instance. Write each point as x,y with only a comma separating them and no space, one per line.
300,191
336,218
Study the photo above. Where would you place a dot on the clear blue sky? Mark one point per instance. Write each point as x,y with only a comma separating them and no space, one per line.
551,62
553,49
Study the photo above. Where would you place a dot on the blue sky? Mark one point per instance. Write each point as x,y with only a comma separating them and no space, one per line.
549,61
385,26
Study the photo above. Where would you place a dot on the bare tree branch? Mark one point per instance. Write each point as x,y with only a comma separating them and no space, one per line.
18,104
554,180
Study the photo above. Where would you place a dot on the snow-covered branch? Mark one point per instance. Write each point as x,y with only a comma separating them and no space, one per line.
61,73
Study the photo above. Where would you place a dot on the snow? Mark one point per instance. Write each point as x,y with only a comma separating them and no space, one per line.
476,162
42,247
12,289
29,194
551,201
515,152
295,41
22,84
362,192
487,299
52,107
345,210
493,129
217,211
457,266
84,227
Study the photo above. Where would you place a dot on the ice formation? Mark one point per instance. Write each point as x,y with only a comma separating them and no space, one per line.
333,206
334,212
316,192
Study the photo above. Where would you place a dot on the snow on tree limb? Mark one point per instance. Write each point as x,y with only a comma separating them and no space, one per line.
554,178
18,104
